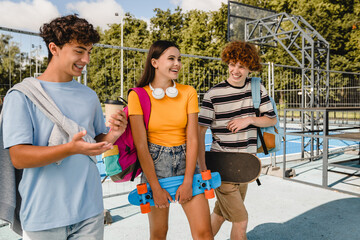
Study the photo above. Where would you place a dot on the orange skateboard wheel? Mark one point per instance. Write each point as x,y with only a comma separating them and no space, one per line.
206,174
141,188
145,208
209,193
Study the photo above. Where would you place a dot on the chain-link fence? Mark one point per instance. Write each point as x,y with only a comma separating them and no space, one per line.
23,54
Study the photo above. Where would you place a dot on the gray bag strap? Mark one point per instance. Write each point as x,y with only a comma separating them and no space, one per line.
34,91
64,128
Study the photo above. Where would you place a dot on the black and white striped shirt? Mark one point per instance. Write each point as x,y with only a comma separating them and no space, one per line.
223,103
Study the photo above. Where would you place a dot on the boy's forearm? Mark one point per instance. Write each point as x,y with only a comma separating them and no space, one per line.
29,156
264,121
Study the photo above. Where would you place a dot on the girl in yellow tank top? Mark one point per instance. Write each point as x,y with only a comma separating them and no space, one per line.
170,146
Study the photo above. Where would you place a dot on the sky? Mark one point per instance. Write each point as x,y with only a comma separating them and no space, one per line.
29,15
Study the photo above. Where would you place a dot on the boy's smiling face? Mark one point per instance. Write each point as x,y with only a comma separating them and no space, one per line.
71,58
237,74
75,56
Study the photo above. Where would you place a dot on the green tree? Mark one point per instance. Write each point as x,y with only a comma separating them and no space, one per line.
204,33
333,19
167,26
9,63
105,65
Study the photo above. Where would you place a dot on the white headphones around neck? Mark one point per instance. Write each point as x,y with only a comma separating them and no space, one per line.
158,93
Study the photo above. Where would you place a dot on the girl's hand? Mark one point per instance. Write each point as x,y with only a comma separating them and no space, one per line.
162,198
237,124
184,193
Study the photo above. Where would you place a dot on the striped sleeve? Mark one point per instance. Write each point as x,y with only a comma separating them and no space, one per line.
207,114
266,108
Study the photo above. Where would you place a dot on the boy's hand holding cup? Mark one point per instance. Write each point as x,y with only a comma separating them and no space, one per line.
112,107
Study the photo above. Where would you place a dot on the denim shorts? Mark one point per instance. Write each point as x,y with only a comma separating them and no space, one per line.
168,161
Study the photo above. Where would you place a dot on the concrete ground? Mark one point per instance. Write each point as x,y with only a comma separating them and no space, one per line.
278,209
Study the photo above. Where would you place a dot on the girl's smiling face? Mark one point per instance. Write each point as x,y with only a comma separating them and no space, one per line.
168,64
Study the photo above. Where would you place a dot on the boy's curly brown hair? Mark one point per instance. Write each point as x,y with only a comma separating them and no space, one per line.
242,52
65,29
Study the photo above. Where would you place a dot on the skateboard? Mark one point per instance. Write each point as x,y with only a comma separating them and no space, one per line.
205,182
234,167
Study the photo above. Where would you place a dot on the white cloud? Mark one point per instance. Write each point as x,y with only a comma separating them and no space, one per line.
99,13
27,15
205,5
175,2
147,20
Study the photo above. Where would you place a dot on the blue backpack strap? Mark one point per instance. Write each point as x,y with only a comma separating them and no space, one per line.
255,91
256,97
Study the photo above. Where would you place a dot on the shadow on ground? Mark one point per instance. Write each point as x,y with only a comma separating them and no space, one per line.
338,219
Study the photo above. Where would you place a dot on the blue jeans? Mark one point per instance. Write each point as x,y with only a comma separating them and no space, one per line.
168,161
89,229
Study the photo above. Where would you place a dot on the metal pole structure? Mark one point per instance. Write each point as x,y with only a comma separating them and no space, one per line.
121,55
272,80
9,65
269,78
85,75
36,49
272,90
36,64
29,61
288,30
21,64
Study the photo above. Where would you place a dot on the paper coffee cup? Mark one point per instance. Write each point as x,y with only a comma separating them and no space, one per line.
111,107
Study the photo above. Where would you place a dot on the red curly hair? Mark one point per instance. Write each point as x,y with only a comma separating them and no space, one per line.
242,52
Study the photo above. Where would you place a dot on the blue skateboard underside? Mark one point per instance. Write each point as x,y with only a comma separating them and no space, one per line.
171,184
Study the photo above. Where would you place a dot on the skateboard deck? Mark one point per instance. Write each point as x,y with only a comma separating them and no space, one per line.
234,167
143,194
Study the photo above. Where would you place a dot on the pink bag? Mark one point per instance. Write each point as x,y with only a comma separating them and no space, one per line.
121,162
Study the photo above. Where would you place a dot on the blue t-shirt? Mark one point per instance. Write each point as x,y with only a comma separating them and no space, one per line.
56,195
